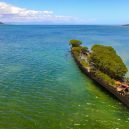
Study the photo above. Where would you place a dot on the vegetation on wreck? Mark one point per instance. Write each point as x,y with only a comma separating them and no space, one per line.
77,48
103,62
104,66
75,43
104,77
106,60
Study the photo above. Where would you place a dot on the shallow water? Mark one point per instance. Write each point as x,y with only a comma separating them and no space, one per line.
41,86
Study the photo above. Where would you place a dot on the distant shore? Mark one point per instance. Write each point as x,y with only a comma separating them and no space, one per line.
1,23
126,25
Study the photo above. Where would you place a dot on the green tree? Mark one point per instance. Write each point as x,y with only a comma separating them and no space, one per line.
75,43
104,77
106,59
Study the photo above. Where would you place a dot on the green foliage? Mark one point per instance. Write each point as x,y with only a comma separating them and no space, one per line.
75,43
106,59
84,49
84,63
104,77
92,70
76,51
127,79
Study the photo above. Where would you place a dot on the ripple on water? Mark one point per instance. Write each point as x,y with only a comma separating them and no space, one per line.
42,87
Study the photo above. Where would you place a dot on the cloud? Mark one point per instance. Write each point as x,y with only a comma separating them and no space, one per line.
13,14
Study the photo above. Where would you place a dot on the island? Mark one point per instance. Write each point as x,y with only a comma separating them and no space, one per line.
104,66
1,23
126,25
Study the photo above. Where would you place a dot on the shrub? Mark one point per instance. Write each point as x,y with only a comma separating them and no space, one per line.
76,51
84,63
127,79
84,49
106,59
75,43
104,77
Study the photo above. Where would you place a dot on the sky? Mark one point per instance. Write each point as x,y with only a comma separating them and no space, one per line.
93,12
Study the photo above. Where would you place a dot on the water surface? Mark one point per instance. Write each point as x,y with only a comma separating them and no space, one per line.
41,86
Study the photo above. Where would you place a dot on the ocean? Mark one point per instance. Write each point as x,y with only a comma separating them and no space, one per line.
41,87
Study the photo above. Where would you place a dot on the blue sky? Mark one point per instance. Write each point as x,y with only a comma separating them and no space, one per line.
65,11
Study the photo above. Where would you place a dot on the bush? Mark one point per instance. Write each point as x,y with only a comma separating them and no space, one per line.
104,77
127,79
76,49
84,63
106,59
84,49
75,43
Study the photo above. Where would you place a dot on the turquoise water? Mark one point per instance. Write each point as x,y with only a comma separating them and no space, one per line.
41,86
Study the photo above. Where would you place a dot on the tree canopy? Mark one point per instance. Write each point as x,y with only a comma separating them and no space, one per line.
106,59
75,43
